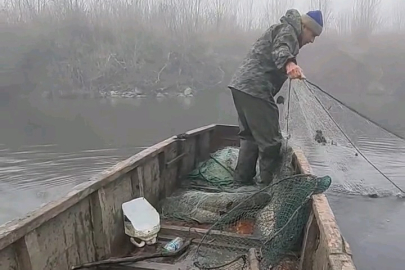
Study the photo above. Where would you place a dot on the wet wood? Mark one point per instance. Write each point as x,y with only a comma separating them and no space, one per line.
326,248
150,266
175,160
213,244
253,261
198,233
115,261
309,244
224,136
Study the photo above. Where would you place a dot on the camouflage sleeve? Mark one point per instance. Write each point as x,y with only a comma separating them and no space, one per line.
283,47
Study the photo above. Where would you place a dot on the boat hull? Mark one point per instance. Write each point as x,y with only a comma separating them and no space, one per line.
87,224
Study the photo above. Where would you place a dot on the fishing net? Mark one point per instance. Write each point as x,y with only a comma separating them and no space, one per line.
313,127
206,207
218,169
270,219
202,207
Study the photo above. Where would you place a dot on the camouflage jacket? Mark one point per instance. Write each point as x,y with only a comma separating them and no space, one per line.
262,72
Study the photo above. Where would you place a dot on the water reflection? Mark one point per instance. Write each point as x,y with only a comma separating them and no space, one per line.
117,101
186,102
38,174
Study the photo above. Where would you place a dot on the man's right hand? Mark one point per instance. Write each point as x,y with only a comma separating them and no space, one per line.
294,71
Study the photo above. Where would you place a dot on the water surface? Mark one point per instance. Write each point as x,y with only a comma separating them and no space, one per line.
47,147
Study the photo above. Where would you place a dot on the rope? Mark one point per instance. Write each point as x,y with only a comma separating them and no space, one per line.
288,114
353,110
347,137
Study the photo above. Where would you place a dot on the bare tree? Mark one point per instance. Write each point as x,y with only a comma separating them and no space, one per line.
398,17
275,9
343,22
246,12
366,17
326,7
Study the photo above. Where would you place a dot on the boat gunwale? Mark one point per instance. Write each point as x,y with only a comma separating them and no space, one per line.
15,229
339,254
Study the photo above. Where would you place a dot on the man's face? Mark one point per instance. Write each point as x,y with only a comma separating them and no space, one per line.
307,36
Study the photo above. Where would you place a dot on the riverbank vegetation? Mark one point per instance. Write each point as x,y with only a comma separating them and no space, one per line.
131,48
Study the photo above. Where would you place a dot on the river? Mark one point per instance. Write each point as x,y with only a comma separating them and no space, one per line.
49,146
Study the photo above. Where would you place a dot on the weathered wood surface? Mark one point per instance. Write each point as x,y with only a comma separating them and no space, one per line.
87,224
253,261
324,248
198,233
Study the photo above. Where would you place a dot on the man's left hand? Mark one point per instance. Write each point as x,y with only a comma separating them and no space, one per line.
294,71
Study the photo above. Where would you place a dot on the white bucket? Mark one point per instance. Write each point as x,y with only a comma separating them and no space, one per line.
142,221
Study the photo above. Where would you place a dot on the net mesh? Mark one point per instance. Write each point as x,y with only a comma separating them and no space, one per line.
270,218
333,154
218,169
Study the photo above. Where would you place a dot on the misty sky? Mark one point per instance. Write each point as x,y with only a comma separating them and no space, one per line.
387,5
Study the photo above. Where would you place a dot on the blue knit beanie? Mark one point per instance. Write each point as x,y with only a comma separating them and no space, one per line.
314,21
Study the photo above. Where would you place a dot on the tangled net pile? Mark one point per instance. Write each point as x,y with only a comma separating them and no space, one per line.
218,169
270,219
279,213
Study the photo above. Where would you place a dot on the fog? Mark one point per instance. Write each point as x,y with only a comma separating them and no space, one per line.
90,48
86,83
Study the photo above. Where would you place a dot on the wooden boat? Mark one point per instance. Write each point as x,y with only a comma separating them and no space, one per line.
87,224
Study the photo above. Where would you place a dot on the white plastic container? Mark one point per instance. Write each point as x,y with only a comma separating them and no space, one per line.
142,221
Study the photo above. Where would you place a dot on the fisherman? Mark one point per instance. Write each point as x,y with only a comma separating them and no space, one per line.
271,60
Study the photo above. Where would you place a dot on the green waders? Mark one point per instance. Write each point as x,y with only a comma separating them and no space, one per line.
260,137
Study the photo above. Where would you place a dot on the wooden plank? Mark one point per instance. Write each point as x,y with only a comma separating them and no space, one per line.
151,180
341,262
301,162
253,261
327,224
63,241
8,259
23,258
151,266
201,130
110,239
204,146
167,238
188,147
309,244
173,161
332,252
15,257
197,233
224,136
226,130
168,175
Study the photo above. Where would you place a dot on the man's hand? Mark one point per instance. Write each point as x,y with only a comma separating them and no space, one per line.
294,71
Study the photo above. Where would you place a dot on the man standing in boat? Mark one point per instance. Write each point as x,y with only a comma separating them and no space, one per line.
271,60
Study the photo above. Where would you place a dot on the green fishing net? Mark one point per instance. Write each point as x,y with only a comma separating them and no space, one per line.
218,169
270,219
